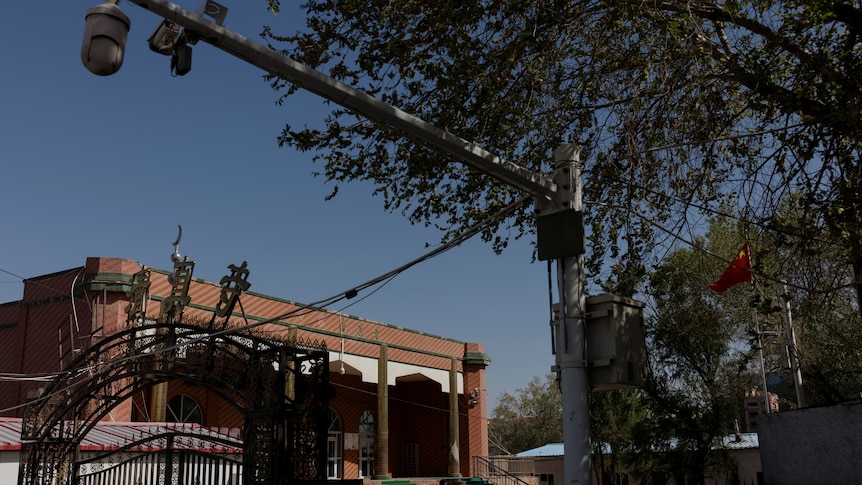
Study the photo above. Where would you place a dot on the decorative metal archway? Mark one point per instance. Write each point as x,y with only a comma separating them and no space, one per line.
281,388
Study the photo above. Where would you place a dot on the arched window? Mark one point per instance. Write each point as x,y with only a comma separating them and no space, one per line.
366,445
184,409
334,445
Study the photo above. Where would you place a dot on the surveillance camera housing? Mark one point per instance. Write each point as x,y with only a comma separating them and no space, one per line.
105,34
164,37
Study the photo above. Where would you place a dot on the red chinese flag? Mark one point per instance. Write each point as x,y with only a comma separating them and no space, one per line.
739,271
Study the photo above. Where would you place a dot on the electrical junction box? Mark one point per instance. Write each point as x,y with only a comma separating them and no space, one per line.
560,235
616,353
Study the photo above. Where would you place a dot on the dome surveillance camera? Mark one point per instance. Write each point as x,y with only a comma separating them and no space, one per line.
105,34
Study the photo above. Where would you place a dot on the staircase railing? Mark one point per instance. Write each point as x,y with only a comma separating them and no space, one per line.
497,469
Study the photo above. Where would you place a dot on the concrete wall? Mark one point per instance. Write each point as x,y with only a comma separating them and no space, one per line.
812,445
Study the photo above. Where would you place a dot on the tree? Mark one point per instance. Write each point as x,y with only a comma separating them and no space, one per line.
681,107
824,311
701,362
615,419
530,418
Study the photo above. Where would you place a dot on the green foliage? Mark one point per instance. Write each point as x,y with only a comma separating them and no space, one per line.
702,358
530,418
616,418
681,108
823,306
701,363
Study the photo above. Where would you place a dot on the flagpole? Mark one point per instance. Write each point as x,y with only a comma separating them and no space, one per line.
740,271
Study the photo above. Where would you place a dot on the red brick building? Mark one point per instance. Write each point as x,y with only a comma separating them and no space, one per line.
411,391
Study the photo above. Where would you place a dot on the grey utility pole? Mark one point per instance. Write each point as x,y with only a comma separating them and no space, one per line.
571,343
558,205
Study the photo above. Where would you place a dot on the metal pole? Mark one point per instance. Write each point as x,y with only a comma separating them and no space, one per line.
762,365
357,101
791,347
571,345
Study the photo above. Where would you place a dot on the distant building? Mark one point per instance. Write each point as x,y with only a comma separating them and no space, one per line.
434,386
545,465
754,404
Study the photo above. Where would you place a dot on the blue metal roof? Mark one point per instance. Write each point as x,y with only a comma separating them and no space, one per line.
741,441
551,449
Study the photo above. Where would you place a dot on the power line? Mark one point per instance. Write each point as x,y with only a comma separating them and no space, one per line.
301,310
703,250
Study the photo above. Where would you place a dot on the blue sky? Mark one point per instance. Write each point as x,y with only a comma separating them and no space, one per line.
109,166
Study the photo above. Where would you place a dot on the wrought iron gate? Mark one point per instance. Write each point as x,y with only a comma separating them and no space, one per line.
281,388
167,464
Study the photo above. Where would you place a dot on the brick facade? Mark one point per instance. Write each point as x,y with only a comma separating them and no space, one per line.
43,331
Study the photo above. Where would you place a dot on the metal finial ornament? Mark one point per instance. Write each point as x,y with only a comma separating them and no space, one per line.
138,295
176,257
231,288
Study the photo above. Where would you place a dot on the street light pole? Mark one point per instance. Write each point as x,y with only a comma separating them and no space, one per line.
357,101
571,344
550,199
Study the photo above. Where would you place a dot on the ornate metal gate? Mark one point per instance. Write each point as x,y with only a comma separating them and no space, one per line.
173,458
281,388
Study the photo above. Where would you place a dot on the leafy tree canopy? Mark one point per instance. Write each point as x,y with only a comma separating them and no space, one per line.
700,362
703,359
822,310
529,418
680,107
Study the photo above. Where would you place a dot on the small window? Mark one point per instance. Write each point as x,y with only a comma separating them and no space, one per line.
546,479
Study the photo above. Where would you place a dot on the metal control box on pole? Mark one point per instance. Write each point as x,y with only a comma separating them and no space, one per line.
615,339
